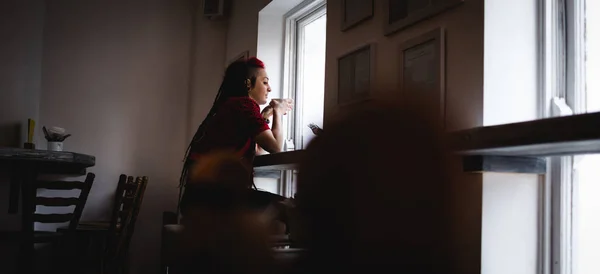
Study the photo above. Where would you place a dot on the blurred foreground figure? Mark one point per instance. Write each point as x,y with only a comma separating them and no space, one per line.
224,231
373,197
373,194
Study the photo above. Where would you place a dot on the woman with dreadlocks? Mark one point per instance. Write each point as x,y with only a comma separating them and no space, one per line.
235,122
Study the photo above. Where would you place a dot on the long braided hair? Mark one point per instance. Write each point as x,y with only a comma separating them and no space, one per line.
234,85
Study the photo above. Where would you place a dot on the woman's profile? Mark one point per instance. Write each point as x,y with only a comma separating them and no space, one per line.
235,122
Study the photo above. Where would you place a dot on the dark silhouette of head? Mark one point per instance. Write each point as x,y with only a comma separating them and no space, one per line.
373,192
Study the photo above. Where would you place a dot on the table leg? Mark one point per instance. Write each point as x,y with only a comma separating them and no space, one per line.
13,196
28,191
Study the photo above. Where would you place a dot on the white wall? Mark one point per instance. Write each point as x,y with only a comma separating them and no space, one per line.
207,68
21,33
271,41
242,32
270,49
21,44
116,76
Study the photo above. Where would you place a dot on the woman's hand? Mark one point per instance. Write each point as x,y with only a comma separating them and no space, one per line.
281,106
267,112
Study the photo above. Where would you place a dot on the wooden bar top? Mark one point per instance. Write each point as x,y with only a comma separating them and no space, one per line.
567,135
278,161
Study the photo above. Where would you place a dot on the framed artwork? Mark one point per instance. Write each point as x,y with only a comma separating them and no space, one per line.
355,75
242,56
356,11
400,14
422,70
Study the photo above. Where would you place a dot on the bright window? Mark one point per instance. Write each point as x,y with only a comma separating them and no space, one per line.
306,28
592,62
585,211
310,75
576,200
305,62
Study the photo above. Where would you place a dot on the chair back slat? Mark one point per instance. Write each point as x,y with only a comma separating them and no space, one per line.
123,215
54,218
127,192
83,196
56,201
59,185
79,201
130,186
114,219
121,230
124,245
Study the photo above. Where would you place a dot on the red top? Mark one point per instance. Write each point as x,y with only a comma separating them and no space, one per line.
235,124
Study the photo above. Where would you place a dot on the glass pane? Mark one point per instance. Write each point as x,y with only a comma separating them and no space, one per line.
311,78
586,179
592,62
586,215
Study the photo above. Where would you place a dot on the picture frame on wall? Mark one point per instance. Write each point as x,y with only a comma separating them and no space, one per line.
400,14
422,71
355,12
241,56
356,70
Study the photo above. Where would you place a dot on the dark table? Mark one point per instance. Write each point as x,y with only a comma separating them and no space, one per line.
25,164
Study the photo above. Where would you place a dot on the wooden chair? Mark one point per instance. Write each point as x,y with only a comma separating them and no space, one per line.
30,236
92,235
110,239
115,259
122,186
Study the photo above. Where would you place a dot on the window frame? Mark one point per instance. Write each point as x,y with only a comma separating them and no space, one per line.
301,23
554,249
563,79
549,83
576,99
301,15
575,54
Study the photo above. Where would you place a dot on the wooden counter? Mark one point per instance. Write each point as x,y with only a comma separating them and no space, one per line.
25,164
278,161
523,146
568,135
